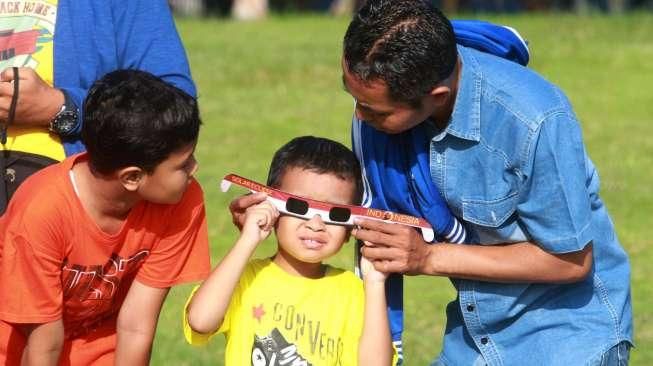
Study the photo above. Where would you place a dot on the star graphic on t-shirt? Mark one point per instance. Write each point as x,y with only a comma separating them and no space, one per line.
258,312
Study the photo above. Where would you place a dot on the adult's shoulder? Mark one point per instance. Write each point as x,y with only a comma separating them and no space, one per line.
514,89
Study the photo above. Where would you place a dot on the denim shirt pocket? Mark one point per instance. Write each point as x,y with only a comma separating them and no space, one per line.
490,213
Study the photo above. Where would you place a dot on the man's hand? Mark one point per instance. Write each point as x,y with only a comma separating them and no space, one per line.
37,102
392,248
239,206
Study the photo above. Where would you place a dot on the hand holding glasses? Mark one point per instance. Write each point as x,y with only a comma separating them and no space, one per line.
307,208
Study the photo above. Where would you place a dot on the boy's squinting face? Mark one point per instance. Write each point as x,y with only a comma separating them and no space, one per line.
169,180
312,240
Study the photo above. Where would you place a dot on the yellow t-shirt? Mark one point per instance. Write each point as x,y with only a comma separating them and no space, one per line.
27,40
278,319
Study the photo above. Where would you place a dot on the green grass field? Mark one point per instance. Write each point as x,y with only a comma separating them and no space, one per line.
261,84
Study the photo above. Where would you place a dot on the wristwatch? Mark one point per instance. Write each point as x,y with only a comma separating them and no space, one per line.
65,121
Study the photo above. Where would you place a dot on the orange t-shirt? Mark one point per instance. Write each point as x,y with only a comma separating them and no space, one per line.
55,262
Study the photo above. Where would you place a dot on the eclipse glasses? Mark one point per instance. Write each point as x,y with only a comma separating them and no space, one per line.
307,208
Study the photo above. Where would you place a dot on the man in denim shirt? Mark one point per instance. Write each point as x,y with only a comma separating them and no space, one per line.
543,280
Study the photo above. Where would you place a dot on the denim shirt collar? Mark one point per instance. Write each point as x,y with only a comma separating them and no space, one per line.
465,121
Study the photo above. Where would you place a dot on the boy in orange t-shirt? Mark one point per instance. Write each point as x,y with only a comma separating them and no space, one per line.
90,246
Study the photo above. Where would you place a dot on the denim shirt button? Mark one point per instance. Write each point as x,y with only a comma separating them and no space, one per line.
484,340
470,307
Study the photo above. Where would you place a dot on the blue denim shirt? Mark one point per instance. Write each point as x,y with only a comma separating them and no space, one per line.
511,163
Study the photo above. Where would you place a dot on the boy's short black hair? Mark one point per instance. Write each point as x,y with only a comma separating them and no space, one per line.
133,118
409,44
320,155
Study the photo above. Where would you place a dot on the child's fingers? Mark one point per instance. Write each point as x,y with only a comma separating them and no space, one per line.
271,212
239,206
266,216
263,222
245,202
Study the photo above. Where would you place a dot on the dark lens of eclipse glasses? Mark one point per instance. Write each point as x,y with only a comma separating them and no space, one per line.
339,214
296,206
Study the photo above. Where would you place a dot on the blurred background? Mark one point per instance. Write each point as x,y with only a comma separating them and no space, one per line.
261,83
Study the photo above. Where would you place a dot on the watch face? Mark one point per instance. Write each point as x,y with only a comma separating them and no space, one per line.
65,122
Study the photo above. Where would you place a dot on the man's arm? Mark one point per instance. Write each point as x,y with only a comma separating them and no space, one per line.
137,321
401,249
147,39
44,343
209,305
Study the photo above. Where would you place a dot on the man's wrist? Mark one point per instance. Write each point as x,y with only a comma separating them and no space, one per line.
65,120
429,262
55,100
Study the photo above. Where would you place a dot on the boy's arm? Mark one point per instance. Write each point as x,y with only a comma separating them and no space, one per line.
209,305
375,345
32,249
136,324
44,343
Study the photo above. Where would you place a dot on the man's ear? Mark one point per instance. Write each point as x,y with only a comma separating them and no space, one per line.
131,177
441,95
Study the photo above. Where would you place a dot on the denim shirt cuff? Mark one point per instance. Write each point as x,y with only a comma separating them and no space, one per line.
567,244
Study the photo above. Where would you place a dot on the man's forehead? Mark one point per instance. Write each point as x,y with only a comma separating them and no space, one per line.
371,95
352,82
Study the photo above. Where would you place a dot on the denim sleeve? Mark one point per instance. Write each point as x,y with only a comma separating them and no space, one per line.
554,202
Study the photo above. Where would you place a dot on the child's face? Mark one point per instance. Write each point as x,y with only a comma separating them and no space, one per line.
312,240
169,180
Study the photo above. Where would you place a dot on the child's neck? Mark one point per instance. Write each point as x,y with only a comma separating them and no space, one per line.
296,267
103,200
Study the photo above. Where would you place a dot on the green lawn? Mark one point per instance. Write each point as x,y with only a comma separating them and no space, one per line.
262,83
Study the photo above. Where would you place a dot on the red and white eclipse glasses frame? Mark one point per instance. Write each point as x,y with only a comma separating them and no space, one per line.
307,208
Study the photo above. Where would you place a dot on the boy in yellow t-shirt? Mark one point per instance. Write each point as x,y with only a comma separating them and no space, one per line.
292,308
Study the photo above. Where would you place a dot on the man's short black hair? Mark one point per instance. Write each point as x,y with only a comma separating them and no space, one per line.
133,118
319,155
408,44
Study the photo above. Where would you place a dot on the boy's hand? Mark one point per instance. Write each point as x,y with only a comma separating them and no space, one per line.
371,274
239,206
393,248
259,221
